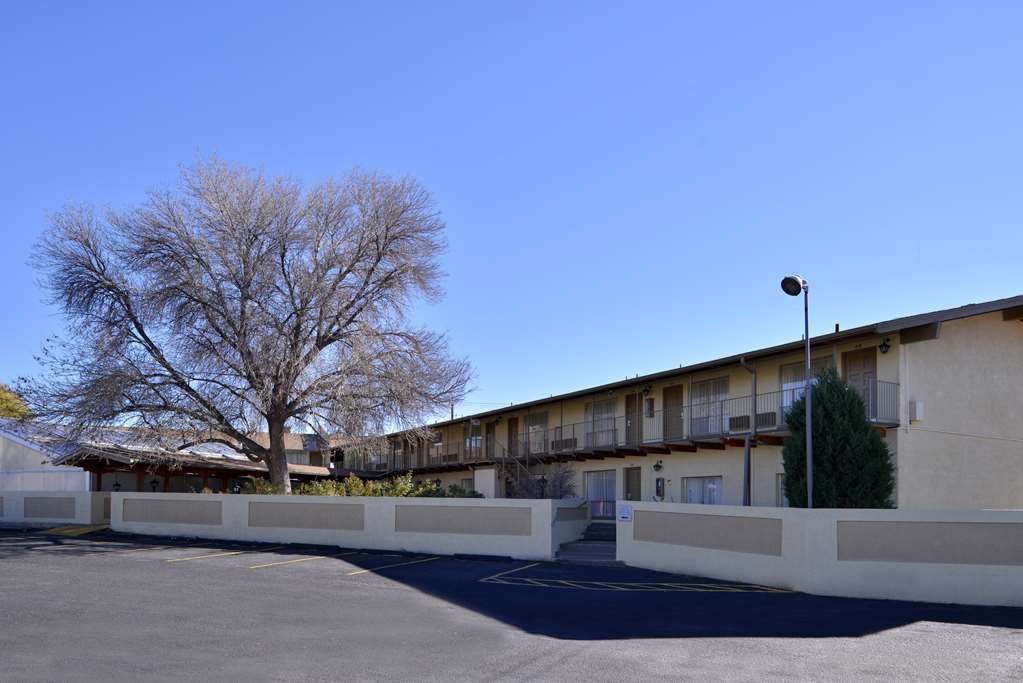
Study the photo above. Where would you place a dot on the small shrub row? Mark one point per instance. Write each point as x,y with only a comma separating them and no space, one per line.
401,486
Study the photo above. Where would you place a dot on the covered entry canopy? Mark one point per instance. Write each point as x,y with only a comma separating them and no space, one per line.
123,459
120,469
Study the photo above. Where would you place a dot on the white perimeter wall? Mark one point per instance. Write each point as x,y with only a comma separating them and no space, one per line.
24,467
524,529
53,507
934,556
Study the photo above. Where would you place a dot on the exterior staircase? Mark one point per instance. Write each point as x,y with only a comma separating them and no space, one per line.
596,547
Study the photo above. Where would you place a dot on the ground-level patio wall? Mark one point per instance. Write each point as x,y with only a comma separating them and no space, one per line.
973,557
524,529
54,507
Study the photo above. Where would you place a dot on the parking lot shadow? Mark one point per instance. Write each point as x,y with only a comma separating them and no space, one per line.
566,602
562,601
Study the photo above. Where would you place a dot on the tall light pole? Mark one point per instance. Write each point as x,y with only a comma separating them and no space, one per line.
793,285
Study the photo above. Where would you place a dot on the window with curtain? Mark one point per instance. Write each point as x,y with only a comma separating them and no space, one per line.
600,423
536,432
473,438
780,499
702,490
793,378
709,406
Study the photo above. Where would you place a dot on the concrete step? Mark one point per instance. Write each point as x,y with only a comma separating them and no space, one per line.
600,531
588,552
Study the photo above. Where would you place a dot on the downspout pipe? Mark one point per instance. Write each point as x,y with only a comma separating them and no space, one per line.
751,438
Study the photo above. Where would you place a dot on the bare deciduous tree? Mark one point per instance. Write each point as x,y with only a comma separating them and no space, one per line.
235,303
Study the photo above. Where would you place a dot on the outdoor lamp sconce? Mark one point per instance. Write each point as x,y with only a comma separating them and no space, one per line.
658,466
885,347
116,486
153,484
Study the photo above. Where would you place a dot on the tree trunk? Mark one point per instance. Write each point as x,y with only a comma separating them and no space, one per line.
277,463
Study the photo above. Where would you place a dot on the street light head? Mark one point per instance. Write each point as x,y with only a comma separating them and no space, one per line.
793,285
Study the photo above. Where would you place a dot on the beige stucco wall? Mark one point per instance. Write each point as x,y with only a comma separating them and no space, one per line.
55,507
458,519
305,515
525,529
967,452
969,557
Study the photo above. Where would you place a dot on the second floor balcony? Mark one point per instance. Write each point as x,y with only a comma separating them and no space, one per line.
693,424
702,424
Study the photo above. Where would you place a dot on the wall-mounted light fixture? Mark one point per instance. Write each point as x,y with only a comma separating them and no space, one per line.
647,389
885,346
658,466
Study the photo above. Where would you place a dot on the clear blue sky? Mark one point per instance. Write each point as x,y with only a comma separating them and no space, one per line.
624,183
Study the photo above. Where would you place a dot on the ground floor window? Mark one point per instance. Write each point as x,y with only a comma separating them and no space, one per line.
705,490
467,485
780,499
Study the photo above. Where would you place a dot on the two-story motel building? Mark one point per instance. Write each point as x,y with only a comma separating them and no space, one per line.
943,388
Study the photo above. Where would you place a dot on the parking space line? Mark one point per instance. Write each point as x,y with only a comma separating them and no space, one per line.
510,571
129,550
235,552
633,586
302,559
388,566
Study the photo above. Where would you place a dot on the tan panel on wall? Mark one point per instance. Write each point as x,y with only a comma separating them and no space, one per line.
172,511
984,543
450,519
571,514
50,508
757,535
343,516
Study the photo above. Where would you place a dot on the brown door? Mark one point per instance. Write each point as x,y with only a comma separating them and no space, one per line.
860,369
633,419
513,436
491,437
633,487
674,423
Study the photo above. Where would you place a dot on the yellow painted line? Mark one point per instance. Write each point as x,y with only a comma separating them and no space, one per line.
151,547
388,566
76,530
301,559
510,571
235,552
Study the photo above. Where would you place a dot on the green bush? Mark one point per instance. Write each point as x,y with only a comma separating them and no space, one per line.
401,486
256,485
320,487
852,467
456,491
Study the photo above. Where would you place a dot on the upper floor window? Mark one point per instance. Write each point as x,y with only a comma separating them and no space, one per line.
793,378
600,423
297,457
648,407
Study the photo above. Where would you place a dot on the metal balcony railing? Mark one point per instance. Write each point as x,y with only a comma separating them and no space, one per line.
439,454
693,422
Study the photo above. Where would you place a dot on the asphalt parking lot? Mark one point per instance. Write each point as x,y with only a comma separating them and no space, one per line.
118,607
